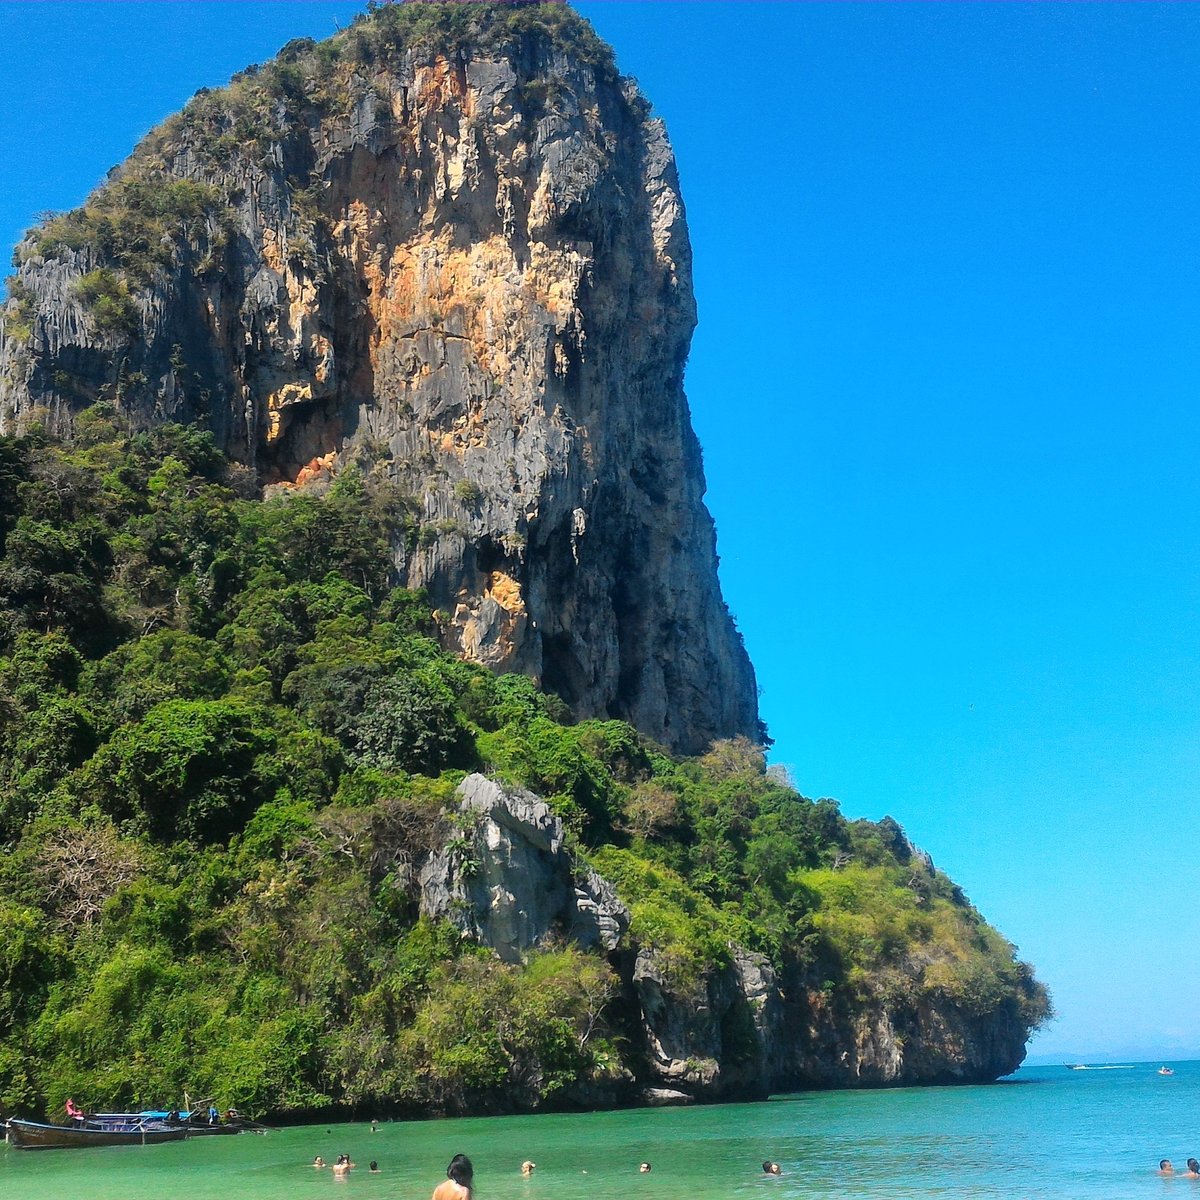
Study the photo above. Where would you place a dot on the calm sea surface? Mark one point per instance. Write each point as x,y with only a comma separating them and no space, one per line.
1046,1132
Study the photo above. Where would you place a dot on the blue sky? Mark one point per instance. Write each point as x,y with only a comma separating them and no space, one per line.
945,376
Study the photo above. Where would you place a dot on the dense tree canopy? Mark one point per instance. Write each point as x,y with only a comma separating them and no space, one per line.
225,742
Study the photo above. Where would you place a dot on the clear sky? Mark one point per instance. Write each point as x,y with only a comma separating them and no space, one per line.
946,377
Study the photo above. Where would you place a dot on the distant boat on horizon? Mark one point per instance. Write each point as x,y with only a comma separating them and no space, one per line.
1165,1071
1100,1067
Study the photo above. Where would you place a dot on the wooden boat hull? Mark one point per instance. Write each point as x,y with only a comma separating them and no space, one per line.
31,1135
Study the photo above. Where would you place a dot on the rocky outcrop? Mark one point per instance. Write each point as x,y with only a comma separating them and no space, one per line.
464,266
739,1031
507,882
742,1035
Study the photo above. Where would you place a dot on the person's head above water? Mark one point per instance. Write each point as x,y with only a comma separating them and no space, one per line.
1194,1166
528,1167
1164,1166
372,1165
644,1168
460,1170
772,1168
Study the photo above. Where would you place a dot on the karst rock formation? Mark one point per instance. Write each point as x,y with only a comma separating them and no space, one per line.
451,254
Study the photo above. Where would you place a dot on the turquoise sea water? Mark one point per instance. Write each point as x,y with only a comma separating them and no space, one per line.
1046,1132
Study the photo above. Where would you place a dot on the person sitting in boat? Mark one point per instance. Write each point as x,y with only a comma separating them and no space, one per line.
74,1111
214,1115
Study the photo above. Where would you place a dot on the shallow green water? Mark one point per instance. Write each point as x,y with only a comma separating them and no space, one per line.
1049,1132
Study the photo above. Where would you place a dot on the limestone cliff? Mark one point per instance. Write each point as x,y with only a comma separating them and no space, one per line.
448,246
742,1029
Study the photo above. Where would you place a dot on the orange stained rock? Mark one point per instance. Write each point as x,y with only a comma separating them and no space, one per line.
272,252
469,432
290,393
313,469
506,591
440,84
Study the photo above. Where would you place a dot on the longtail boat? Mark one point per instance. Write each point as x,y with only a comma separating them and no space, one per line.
198,1122
33,1135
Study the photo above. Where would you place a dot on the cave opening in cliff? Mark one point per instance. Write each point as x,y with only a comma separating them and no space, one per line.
306,444
490,556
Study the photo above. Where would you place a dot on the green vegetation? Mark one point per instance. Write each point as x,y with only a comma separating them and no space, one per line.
467,492
107,301
434,28
136,226
18,317
262,104
132,222
227,742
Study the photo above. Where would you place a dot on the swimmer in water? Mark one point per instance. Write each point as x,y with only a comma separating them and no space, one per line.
373,1167
645,1168
459,1178
772,1168
527,1168
1193,1171
318,1161
1164,1167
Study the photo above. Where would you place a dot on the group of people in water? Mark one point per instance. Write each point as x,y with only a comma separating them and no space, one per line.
460,1174
1165,1167
343,1165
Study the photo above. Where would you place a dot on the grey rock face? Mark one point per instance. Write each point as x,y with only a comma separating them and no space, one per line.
682,1034
600,919
508,883
740,1029
741,1035
876,1043
474,280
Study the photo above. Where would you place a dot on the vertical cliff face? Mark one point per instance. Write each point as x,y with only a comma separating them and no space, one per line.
447,246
